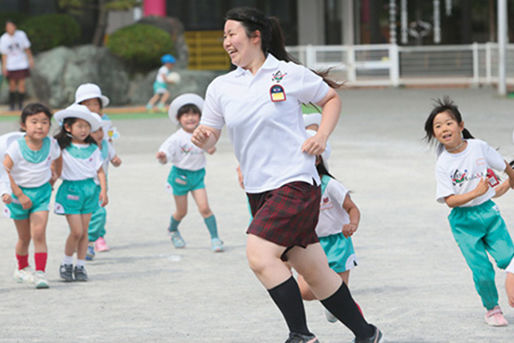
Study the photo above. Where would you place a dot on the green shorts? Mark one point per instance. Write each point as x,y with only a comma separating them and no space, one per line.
77,197
40,197
340,254
181,181
160,87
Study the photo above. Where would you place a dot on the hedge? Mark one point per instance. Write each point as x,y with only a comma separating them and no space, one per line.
48,31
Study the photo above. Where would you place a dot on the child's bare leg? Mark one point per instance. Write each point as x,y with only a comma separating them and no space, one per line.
164,97
153,100
509,287
76,232
180,207
23,228
200,197
84,239
38,221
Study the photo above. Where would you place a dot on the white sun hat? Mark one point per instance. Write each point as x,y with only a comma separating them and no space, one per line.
181,100
79,111
90,91
328,149
312,118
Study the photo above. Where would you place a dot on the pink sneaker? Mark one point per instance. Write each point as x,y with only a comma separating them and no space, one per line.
495,317
100,245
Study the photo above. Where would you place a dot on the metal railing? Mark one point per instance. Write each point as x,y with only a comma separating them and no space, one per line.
393,65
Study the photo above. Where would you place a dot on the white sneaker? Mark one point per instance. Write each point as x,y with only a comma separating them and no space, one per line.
330,317
24,275
40,279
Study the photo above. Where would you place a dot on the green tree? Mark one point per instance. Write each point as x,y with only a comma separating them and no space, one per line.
102,7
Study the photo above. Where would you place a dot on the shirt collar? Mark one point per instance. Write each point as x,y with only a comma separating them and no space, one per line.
271,62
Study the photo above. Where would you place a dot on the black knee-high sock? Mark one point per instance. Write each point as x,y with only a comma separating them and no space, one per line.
342,306
21,97
288,299
12,100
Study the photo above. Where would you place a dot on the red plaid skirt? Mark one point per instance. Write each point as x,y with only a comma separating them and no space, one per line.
286,216
18,74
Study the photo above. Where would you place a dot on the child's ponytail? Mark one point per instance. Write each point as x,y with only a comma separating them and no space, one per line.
466,134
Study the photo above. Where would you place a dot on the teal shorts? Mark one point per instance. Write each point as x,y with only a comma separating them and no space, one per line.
340,254
40,197
77,197
181,181
160,87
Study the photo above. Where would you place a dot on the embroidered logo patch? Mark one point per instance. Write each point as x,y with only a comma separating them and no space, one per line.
277,93
72,197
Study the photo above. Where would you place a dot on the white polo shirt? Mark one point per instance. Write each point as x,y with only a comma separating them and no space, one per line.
267,136
182,153
80,162
14,47
460,173
332,215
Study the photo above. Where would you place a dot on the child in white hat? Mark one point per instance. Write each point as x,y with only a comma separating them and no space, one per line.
78,196
188,171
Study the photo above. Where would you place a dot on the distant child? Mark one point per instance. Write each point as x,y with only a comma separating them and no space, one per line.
78,195
160,87
90,95
475,220
29,162
96,228
188,171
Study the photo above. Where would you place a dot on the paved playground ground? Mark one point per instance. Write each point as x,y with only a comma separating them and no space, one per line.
411,280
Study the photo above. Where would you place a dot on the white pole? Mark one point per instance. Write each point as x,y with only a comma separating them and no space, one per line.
405,38
437,23
502,39
392,21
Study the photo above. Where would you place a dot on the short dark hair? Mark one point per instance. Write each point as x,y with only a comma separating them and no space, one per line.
34,108
188,108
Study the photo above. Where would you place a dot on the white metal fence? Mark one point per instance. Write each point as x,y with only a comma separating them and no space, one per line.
392,65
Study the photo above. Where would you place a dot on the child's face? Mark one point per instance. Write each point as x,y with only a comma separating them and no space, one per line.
80,129
189,121
36,126
446,130
169,65
93,105
98,135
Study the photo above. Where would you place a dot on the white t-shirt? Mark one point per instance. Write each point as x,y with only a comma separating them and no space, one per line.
14,47
107,153
460,173
332,215
267,136
182,153
80,162
32,174
161,74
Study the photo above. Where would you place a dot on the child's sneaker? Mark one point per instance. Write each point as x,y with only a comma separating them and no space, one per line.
149,107
177,240
24,275
66,272
300,338
376,338
161,107
40,279
330,317
90,254
495,317
217,245
101,245
80,273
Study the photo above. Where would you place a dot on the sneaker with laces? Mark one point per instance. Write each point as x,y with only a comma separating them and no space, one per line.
376,338
495,317
40,280
101,245
80,273
330,317
24,275
66,272
301,338
177,240
90,254
217,245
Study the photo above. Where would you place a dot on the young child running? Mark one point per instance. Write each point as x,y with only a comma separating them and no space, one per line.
475,220
78,195
160,87
90,95
338,220
29,162
96,228
188,171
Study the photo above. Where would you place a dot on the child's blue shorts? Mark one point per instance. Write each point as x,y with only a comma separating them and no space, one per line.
40,197
77,197
181,181
340,252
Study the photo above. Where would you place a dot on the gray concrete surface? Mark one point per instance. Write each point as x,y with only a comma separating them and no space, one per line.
412,281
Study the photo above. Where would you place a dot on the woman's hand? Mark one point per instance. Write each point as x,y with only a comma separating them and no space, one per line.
315,145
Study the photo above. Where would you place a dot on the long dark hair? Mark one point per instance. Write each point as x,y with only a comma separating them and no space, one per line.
272,36
322,170
63,137
443,105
